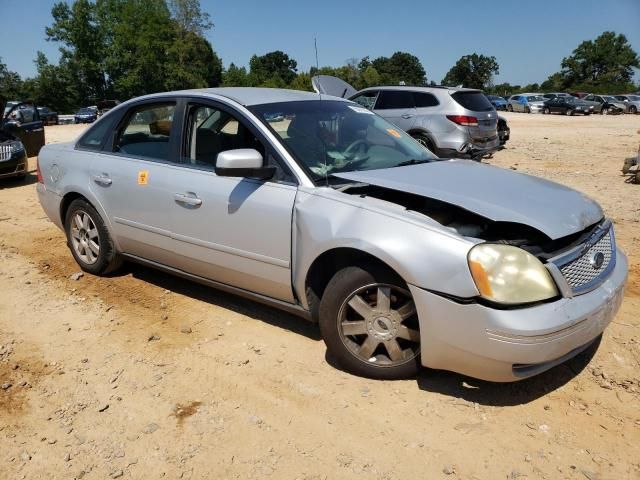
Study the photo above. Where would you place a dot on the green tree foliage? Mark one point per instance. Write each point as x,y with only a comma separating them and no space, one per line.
275,69
472,71
235,77
604,63
400,67
190,17
11,84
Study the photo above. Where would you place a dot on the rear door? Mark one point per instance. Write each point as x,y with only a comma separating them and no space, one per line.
477,105
129,177
398,107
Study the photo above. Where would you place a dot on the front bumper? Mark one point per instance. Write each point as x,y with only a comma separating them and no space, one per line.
16,166
509,345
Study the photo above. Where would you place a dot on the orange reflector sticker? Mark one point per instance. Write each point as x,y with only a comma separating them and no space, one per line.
143,177
393,132
481,279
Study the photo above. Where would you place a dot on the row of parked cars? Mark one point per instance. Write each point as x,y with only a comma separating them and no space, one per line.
568,104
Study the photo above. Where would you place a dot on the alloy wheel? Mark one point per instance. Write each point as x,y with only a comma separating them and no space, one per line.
379,325
85,238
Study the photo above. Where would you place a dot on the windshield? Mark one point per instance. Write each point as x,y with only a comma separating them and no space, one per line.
85,111
535,98
328,137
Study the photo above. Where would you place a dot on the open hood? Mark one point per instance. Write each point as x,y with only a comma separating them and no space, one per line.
328,85
494,193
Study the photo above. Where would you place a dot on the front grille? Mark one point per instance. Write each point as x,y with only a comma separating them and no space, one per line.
5,152
591,263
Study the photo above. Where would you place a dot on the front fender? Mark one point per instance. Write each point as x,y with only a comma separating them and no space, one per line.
418,249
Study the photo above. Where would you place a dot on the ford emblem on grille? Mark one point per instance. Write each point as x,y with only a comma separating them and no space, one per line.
597,259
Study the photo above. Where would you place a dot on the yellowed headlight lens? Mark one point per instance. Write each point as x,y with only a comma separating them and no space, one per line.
510,275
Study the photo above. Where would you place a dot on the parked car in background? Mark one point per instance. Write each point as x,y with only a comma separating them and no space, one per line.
105,105
549,96
632,102
498,103
605,104
48,116
526,103
579,94
450,122
337,215
85,115
21,136
567,105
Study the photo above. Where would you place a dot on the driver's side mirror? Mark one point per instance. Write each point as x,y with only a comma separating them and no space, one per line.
243,162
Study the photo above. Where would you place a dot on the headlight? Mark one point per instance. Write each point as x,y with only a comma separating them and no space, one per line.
509,275
16,147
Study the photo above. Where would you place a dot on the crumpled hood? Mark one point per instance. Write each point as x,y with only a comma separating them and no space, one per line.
494,193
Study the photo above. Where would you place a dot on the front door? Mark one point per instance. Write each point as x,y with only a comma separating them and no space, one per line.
398,107
235,231
130,180
24,122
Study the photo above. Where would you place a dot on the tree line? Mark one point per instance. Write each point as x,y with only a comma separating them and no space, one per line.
118,49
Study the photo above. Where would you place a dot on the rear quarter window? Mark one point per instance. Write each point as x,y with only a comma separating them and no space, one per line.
94,138
475,101
423,99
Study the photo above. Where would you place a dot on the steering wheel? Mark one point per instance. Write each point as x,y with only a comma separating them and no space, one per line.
351,151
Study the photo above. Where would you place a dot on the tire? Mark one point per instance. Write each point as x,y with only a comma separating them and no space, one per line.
382,341
547,110
510,108
569,112
425,141
85,229
633,110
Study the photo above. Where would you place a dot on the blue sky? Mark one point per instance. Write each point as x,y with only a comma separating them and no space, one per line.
529,43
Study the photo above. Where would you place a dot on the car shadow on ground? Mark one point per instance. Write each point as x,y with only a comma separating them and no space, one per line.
494,394
12,182
506,394
235,303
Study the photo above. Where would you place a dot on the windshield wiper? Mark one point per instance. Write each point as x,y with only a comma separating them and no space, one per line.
413,161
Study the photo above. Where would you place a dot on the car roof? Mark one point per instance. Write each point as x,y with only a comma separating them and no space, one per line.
248,96
429,89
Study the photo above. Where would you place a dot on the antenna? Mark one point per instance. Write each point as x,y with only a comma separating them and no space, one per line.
315,44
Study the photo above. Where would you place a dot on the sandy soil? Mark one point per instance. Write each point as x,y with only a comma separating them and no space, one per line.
143,375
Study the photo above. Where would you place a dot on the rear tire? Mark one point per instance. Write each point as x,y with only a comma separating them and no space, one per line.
89,240
369,323
425,141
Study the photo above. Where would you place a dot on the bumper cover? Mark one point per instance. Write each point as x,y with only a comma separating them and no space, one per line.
509,345
15,166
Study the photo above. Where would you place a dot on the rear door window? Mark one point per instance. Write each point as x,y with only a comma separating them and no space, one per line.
95,136
147,131
423,99
395,99
474,101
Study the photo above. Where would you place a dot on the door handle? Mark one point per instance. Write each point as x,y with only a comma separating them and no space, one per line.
188,199
407,115
103,180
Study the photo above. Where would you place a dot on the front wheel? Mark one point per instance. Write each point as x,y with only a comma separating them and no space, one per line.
569,112
546,110
89,240
369,323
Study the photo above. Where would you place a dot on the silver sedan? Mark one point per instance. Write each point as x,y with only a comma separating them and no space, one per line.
317,206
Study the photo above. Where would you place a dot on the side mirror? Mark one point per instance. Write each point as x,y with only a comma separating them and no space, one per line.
243,162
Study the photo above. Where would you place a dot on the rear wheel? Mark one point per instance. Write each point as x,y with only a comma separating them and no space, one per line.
89,240
369,323
425,141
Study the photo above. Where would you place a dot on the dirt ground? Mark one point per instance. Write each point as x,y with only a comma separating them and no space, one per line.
144,376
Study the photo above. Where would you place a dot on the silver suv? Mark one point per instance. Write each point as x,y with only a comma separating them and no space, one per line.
450,122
